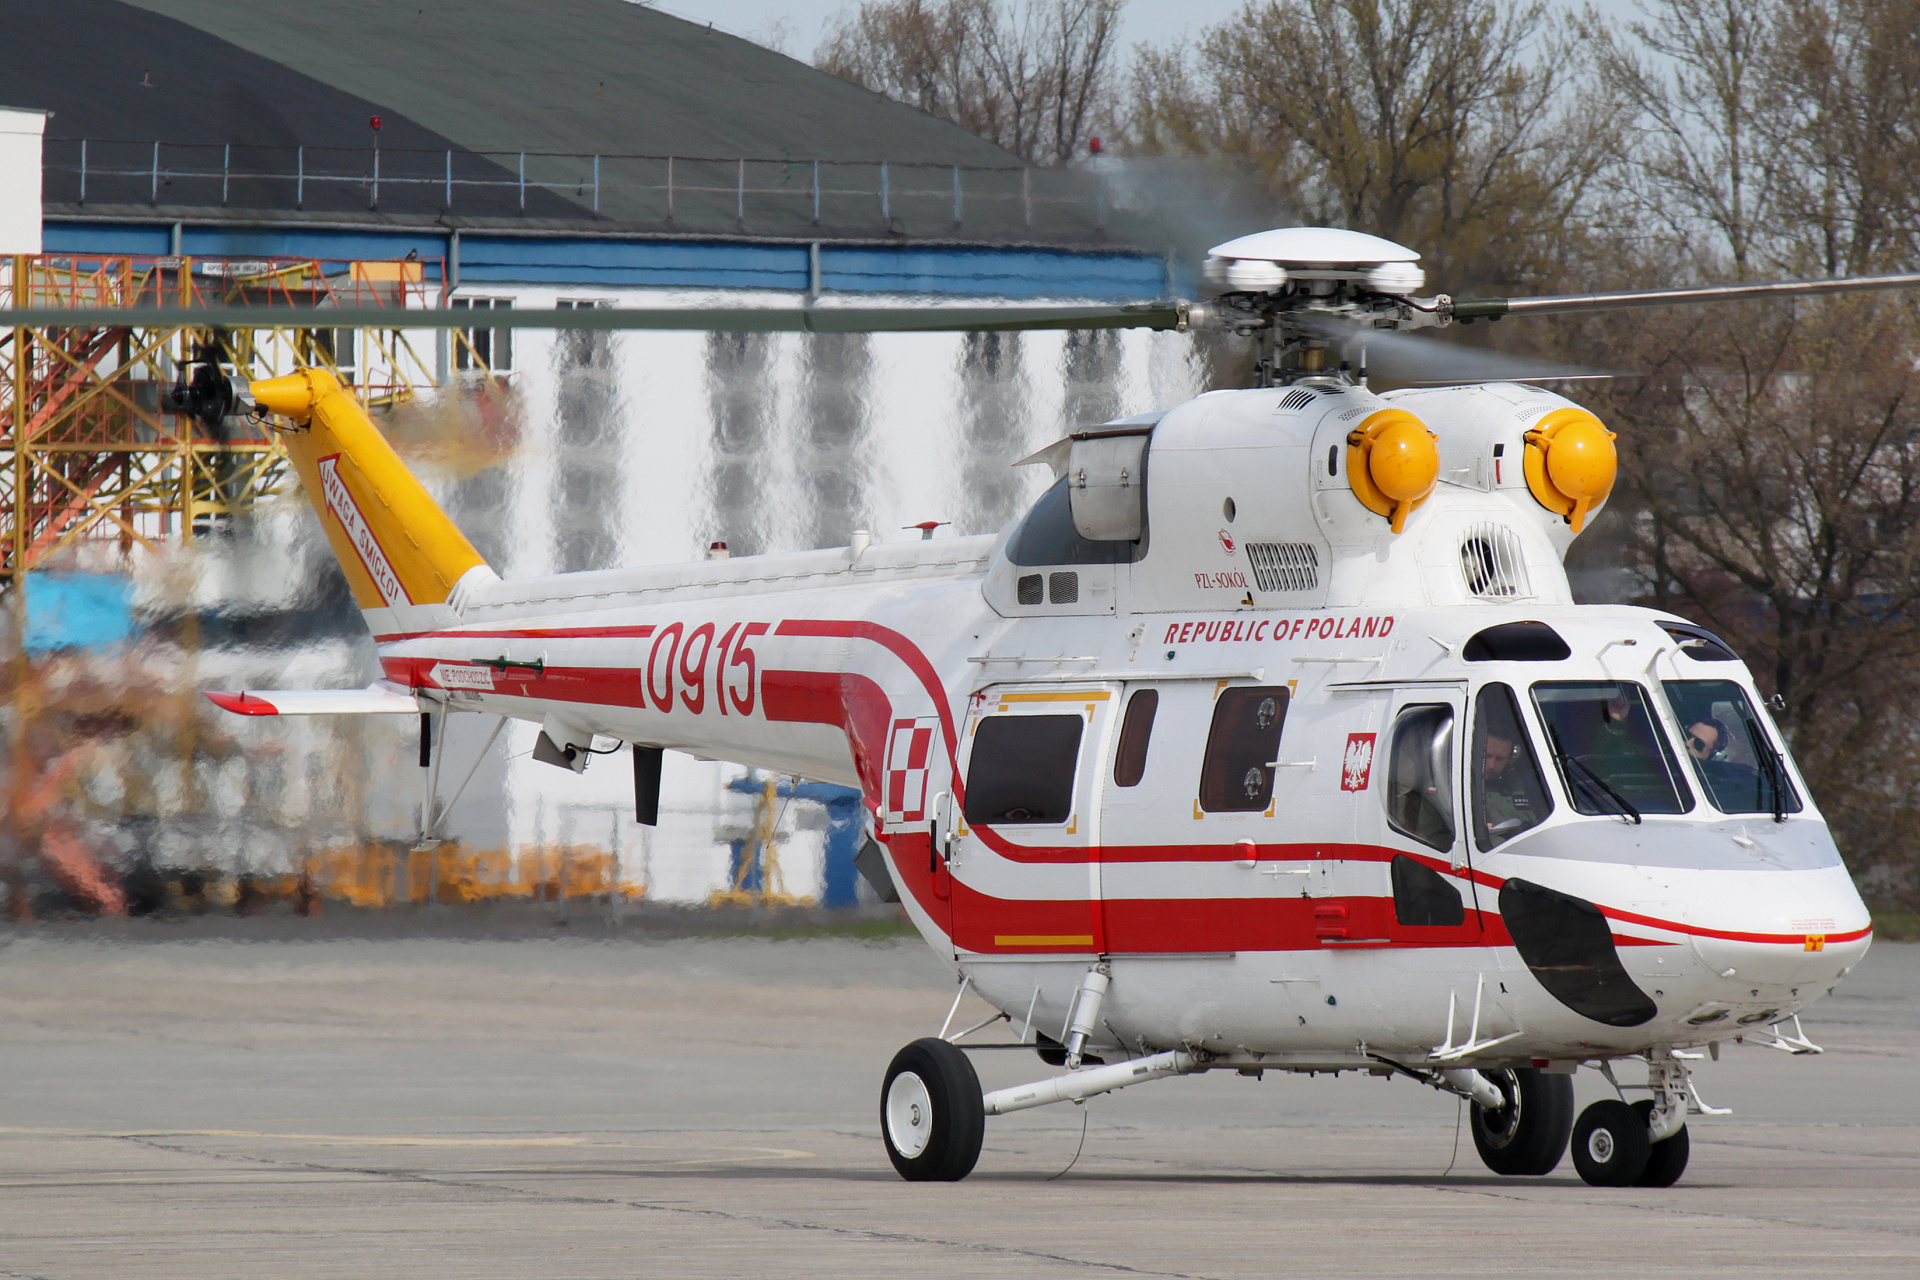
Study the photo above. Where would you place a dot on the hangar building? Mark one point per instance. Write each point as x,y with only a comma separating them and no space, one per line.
562,141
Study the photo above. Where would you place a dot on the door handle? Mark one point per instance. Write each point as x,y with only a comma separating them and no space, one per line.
933,832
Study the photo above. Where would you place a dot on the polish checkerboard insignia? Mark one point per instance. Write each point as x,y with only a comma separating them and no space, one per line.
909,750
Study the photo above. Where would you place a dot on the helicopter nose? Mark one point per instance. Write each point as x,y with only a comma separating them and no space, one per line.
1806,930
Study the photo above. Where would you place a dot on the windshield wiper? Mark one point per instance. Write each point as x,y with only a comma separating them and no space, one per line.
1776,773
1560,753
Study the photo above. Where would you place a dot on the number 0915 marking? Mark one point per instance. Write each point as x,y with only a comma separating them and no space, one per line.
679,658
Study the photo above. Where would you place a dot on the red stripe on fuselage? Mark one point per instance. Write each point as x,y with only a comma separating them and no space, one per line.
860,707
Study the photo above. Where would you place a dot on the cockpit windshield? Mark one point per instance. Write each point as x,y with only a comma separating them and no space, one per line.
1612,757
1730,753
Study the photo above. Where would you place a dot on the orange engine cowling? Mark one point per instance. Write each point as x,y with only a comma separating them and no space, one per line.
1392,464
1570,463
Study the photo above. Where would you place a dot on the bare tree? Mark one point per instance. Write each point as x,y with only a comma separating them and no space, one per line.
1032,76
1433,122
1844,81
1692,150
1771,490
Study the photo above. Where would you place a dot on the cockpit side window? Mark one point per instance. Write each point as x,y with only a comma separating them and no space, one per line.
1419,791
1509,793
1047,536
1730,751
1613,759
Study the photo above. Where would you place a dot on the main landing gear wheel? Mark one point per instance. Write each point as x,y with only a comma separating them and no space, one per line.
1668,1159
1527,1136
931,1115
1611,1147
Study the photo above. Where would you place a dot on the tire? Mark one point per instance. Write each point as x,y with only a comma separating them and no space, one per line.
1668,1158
1527,1137
931,1115
1610,1144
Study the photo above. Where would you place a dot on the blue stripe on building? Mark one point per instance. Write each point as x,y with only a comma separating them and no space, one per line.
1107,276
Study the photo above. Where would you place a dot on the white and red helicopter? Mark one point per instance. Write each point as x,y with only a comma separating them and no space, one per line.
1271,738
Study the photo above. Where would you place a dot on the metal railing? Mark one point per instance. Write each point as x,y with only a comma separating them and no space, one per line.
622,187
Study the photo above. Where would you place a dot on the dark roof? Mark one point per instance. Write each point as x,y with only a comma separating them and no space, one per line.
267,78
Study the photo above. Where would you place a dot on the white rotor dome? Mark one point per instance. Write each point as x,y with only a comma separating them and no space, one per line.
1314,246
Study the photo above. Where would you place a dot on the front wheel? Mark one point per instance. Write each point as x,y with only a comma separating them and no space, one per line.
1668,1159
931,1115
1528,1134
1611,1145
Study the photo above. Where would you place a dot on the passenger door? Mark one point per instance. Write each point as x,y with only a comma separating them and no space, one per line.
1423,813
1023,878
1192,785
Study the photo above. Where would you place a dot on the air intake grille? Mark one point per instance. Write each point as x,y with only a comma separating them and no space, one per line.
1284,566
1028,590
1493,563
1298,398
1063,588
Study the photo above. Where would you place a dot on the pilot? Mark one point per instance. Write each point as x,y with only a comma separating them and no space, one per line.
1613,745
1502,811
1707,739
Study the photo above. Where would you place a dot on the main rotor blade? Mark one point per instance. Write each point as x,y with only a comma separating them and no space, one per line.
912,318
1389,356
1494,308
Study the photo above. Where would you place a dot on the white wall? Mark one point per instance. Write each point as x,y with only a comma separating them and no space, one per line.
20,132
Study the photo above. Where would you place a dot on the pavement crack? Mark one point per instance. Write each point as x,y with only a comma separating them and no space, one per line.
722,1215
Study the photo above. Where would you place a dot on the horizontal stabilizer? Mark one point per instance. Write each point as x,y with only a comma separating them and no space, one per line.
375,699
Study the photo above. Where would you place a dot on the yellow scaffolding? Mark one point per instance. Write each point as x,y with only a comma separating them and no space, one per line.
100,444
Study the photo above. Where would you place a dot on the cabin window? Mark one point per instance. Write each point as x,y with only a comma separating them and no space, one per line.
1612,757
1423,897
1729,750
1047,536
1517,642
1241,748
1509,793
1130,760
1021,770
1419,791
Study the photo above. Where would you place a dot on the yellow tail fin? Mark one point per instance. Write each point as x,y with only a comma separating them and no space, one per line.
395,544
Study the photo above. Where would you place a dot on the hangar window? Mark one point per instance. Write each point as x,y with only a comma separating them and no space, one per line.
1021,770
490,349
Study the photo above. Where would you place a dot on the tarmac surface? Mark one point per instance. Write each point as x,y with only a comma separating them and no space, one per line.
375,1107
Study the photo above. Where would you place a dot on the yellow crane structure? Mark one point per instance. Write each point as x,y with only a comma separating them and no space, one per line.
117,433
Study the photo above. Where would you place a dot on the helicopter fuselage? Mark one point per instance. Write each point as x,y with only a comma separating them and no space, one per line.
1314,790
